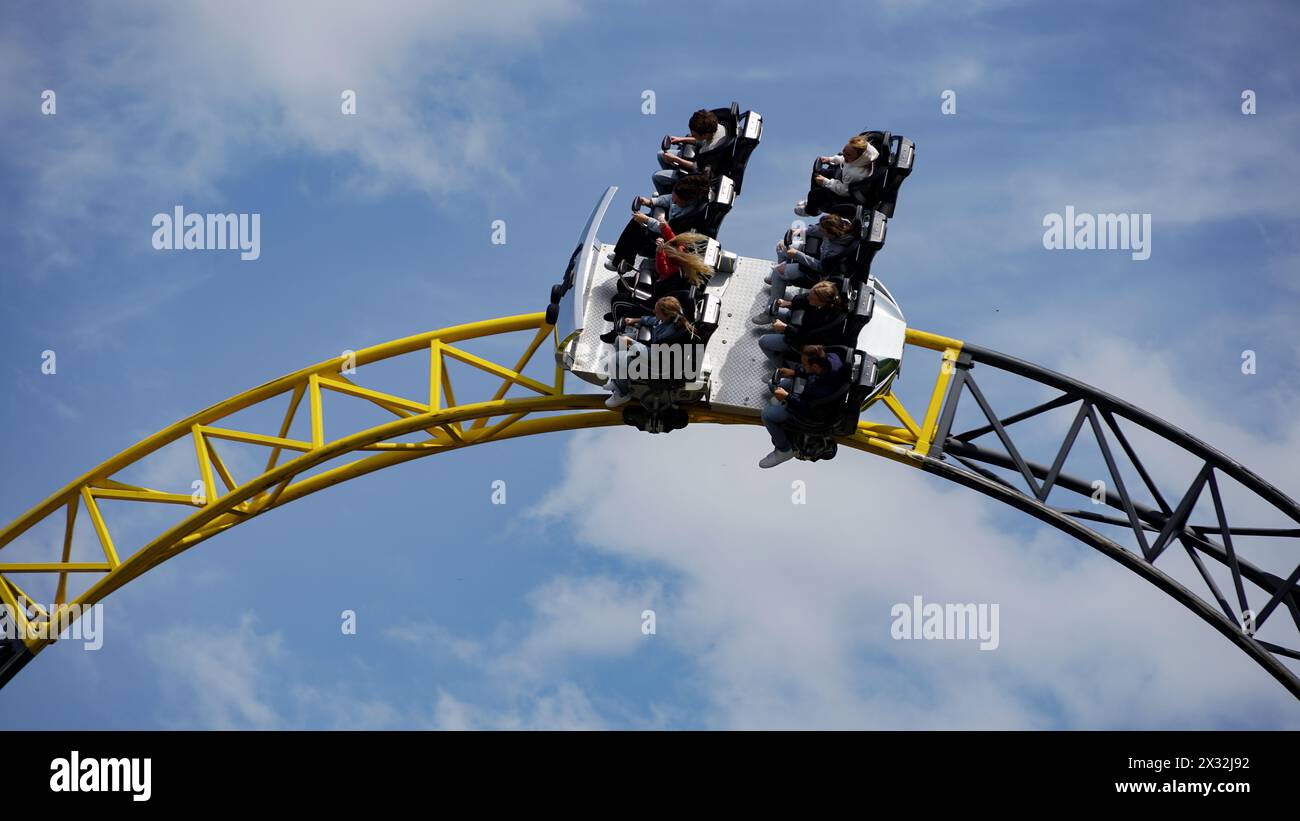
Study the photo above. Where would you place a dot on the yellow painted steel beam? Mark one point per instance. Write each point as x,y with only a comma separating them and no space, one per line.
101,529
30,602
450,425
293,381
61,594
435,375
510,377
55,567
935,342
538,339
277,442
317,412
142,496
17,612
398,405
931,423
900,413
294,400
222,470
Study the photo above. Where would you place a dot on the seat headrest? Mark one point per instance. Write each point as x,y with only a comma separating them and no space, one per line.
867,372
874,228
722,190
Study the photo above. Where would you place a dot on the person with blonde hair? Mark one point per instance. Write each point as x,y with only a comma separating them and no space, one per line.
854,164
668,325
679,266
823,310
682,256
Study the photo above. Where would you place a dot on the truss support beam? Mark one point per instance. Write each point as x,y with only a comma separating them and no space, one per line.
440,421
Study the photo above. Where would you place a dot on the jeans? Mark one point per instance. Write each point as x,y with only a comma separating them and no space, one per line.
774,343
775,416
622,387
780,278
663,180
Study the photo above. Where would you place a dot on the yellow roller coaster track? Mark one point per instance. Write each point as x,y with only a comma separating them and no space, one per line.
437,422
450,425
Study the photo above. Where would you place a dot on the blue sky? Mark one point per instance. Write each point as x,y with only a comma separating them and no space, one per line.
378,226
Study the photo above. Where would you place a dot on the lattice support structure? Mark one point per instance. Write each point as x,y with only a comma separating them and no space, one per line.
1256,594
296,467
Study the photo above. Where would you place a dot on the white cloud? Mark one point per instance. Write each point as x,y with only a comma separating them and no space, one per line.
522,669
785,608
172,99
565,707
215,677
220,678
431,637
594,617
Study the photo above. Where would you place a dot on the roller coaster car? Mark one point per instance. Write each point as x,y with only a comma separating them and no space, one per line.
590,307
869,228
724,367
812,433
730,157
879,189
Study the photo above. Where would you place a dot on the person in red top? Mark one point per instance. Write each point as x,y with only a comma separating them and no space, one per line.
679,260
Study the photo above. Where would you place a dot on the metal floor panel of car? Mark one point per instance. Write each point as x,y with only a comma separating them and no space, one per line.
740,369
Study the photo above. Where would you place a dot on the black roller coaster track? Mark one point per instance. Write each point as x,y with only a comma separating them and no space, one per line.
958,458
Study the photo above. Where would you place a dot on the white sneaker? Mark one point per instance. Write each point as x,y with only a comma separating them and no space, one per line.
617,400
761,319
775,458
799,209
767,280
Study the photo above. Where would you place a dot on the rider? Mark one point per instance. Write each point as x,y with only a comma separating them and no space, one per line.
667,326
711,141
793,265
684,207
823,308
823,372
679,261
855,162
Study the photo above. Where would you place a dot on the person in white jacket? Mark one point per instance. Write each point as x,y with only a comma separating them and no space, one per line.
854,163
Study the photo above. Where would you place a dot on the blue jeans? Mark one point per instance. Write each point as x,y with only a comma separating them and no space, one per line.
774,343
775,416
622,387
780,278
663,180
